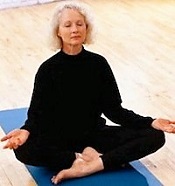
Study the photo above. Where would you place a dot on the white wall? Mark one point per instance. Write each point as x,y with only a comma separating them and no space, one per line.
4,4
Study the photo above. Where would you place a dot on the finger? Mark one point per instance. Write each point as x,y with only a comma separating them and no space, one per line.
5,138
12,144
173,129
15,146
5,146
8,145
9,135
170,129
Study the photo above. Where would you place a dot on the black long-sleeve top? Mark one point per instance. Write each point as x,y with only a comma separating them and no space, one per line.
70,94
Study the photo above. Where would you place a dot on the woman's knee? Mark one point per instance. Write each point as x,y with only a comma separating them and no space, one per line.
21,155
25,155
157,137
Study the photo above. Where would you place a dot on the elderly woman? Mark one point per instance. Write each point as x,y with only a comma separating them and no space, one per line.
73,88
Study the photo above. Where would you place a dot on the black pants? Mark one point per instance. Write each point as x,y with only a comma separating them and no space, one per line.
118,145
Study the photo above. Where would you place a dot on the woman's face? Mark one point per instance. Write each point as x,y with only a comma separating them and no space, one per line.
72,28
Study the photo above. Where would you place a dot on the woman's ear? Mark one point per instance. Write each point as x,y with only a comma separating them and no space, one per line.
58,33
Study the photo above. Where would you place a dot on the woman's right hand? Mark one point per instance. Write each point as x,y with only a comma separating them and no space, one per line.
15,138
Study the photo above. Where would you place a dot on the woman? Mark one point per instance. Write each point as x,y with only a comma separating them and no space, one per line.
64,128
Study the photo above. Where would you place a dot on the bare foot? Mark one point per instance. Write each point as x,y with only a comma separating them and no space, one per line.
72,172
85,164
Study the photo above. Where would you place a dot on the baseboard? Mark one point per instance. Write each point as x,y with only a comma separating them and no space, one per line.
5,4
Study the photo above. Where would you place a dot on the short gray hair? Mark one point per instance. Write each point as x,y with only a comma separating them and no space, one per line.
83,9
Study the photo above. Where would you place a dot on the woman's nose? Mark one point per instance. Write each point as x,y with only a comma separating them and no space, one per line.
74,28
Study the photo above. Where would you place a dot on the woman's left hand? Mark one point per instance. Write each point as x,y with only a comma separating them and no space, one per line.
164,125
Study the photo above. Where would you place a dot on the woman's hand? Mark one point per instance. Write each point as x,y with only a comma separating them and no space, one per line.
164,125
15,138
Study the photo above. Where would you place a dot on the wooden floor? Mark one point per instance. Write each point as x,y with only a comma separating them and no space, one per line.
136,37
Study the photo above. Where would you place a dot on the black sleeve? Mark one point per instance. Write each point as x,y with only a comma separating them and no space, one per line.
38,104
111,103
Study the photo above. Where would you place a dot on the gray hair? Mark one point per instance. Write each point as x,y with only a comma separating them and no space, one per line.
83,9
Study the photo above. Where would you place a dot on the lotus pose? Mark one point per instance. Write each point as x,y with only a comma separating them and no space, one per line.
64,128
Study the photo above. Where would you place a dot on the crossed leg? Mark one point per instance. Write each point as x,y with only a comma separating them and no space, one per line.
86,163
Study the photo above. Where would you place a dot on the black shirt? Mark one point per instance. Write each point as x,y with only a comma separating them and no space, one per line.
70,94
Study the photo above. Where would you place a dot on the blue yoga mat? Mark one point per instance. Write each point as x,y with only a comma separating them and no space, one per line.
135,175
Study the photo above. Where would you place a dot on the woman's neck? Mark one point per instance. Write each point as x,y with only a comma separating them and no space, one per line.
72,50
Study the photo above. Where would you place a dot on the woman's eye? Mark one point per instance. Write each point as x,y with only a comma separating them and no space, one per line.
67,25
79,24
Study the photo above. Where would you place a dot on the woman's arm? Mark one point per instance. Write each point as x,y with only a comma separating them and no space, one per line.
39,101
